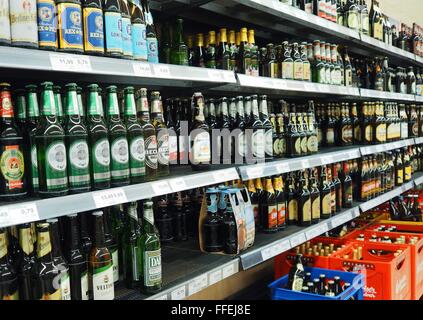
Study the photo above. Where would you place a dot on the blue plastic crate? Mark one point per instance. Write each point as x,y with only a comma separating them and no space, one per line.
278,291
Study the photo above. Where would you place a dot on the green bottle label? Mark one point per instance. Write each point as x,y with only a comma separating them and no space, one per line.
12,167
152,268
120,158
79,173
56,177
137,152
100,155
34,167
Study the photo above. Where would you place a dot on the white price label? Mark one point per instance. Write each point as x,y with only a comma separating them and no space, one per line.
282,167
162,71
353,154
164,297
266,254
109,198
178,184
220,176
305,164
280,84
4,216
274,250
142,69
215,75
197,284
297,240
337,221
228,271
178,294
68,62
253,173
327,159
215,277
317,231
161,187
229,76
22,213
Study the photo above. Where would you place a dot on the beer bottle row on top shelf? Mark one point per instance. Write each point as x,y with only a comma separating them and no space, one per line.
117,28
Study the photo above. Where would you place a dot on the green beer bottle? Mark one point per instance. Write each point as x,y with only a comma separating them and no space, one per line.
20,104
135,138
162,134
118,142
76,144
98,141
33,114
81,107
179,50
150,252
131,248
51,150
59,105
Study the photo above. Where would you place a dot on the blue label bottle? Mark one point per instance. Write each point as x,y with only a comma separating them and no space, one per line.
70,26
47,24
139,32
113,28
126,31
93,27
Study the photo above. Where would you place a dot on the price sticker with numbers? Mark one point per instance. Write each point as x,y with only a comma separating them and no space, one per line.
142,69
161,187
282,167
163,297
178,184
215,75
197,284
109,198
69,62
4,216
255,172
178,294
228,271
215,277
22,213
298,239
162,71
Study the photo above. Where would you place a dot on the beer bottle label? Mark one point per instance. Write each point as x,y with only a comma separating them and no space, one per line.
258,143
173,148
312,144
297,284
56,295
256,213
298,71
23,21
200,148
346,134
328,76
277,147
415,129
293,210
12,296
12,167
333,199
152,268
348,194
100,155
281,214
152,50
330,136
120,158
84,286
288,70
65,285
115,261
137,152
304,145
307,210
315,208
127,37
268,142
113,32
352,19
47,23
163,149
79,173
407,173
365,24
307,72
254,67
272,214
70,26
102,283
139,41
56,175
4,21
93,30
326,204
151,152
368,133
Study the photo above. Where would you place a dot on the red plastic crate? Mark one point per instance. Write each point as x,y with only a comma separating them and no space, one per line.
284,261
387,277
402,226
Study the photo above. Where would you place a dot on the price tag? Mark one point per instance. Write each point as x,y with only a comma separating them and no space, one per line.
197,284
162,71
283,167
109,198
228,271
215,277
317,231
4,216
22,213
297,240
305,164
309,87
164,297
178,294
327,159
142,69
68,62
254,173
266,254
337,221
274,250
226,175
161,187
178,184
380,148
215,75
229,76
280,84
282,247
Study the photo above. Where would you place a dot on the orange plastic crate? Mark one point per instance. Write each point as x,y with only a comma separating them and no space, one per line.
387,277
402,226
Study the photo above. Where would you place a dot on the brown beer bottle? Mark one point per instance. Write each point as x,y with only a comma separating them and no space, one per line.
269,215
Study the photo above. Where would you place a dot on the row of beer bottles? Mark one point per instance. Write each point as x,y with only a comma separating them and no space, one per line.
63,260
117,28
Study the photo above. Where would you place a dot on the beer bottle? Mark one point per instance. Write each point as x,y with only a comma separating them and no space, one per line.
150,139
292,200
47,24
224,123
296,275
304,199
173,136
325,194
117,220
164,50
257,144
364,179
254,65
254,197
230,232
347,131
303,133
12,162
180,227
76,144
118,141
23,23
240,124
179,50
399,169
111,243
199,146
150,252
127,50
139,40
306,62
223,54
92,14
287,62
213,224
332,190
298,62
152,43
276,143
25,261
268,129
162,134
135,138
293,137
280,202
210,58
282,135
100,264
181,138
8,278
69,26
199,52
132,250
346,182
113,28
268,207
59,105
45,270
314,196
98,140
77,260
379,130
58,260
338,185
85,227
163,218
5,23
407,166
20,109
312,142
244,53
51,150
233,51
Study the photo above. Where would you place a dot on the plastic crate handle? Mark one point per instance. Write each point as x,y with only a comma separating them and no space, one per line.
400,264
419,250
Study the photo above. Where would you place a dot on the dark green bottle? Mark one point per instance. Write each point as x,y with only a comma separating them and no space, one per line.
132,249
135,138
20,105
76,144
118,141
98,141
51,149
165,44
59,105
81,107
179,50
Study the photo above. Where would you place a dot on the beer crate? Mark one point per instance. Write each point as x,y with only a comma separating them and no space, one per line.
387,277
402,226
278,289
284,261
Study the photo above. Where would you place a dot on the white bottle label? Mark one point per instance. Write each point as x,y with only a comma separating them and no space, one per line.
65,286
102,282
23,21
78,152
115,260
200,148
120,151
173,148
84,286
152,268
258,144
268,140
4,20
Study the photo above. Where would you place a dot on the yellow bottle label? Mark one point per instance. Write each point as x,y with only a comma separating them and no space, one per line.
304,145
298,71
298,146
3,245
288,70
400,176
408,173
43,244
312,144
381,133
368,134
57,295
293,210
13,296
326,204
315,208
307,210
307,72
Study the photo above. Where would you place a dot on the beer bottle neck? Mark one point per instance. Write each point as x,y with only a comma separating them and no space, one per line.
25,240
113,104
56,251
156,107
44,246
148,220
130,108
6,111
133,217
99,239
21,107
33,111
58,102
263,108
72,108
3,247
93,104
255,108
74,235
178,40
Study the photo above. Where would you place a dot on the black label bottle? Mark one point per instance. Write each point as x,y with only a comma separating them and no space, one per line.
278,186
292,200
8,278
26,261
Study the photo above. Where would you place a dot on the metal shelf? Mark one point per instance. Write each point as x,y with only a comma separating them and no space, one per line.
386,147
419,99
383,95
182,179
418,140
